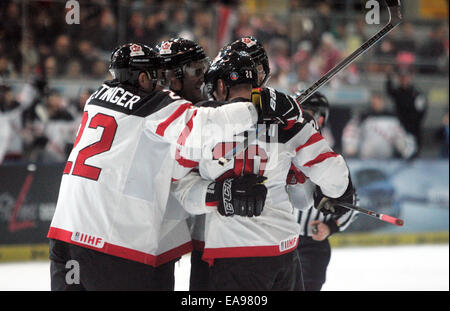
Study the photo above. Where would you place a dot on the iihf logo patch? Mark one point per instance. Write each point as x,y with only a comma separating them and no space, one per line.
136,50
76,236
234,76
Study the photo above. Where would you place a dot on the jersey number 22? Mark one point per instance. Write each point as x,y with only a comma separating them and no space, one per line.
80,168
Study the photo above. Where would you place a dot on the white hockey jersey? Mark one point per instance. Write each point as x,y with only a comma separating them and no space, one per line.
377,136
301,194
115,186
276,231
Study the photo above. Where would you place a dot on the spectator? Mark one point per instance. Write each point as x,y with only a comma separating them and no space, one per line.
154,24
44,28
77,105
62,52
386,49
6,68
410,105
434,49
106,31
135,32
5,136
74,70
442,135
322,22
177,23
51,67
203,24
30,54
49,128
327,56
99,70
11,32
377,134
11,127
405,41
87,55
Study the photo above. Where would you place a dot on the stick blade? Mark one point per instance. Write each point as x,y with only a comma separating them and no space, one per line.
392,220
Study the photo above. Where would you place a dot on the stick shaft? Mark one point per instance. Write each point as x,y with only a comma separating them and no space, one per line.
382,217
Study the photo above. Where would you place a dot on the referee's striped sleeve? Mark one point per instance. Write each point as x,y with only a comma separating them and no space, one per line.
346,220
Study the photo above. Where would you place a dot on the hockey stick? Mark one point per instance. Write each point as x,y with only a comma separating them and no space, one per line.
383,217
395,18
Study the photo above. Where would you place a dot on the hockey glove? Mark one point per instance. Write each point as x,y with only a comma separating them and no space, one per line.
276,107
243,195
328,205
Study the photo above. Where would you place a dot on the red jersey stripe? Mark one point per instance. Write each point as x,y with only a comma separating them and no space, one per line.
312,140
183,161
124,252
187,130
163,125
321,157
209,254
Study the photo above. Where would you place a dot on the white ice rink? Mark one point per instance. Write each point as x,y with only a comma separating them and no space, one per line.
399,268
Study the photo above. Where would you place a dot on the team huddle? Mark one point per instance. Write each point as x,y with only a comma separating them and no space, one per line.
146,181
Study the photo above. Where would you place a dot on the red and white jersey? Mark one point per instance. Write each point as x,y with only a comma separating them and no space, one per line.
377,136
276,231
116,183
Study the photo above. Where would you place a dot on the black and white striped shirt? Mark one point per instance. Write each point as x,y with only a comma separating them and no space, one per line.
306,216
301,197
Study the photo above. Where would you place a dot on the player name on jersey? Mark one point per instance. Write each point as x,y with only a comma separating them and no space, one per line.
116,95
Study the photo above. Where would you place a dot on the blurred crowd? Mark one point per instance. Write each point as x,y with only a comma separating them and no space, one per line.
303,41
39,124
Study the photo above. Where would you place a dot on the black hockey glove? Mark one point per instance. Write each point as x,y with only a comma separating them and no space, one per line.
243,195
276,107
328,205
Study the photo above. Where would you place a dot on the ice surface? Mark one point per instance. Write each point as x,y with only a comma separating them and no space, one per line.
393,268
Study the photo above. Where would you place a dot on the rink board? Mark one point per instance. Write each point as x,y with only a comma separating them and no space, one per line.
416,192
10,253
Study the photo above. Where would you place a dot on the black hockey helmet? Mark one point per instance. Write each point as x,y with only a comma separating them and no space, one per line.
318,104
177,53
129,60
256,50
233,67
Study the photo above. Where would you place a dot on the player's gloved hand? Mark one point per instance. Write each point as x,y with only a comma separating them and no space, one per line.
328,205
243,195
276,107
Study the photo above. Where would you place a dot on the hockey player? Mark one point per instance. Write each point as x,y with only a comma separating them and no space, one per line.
199,276
315,226
377,134
184,65
109,219
258,54
259,253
